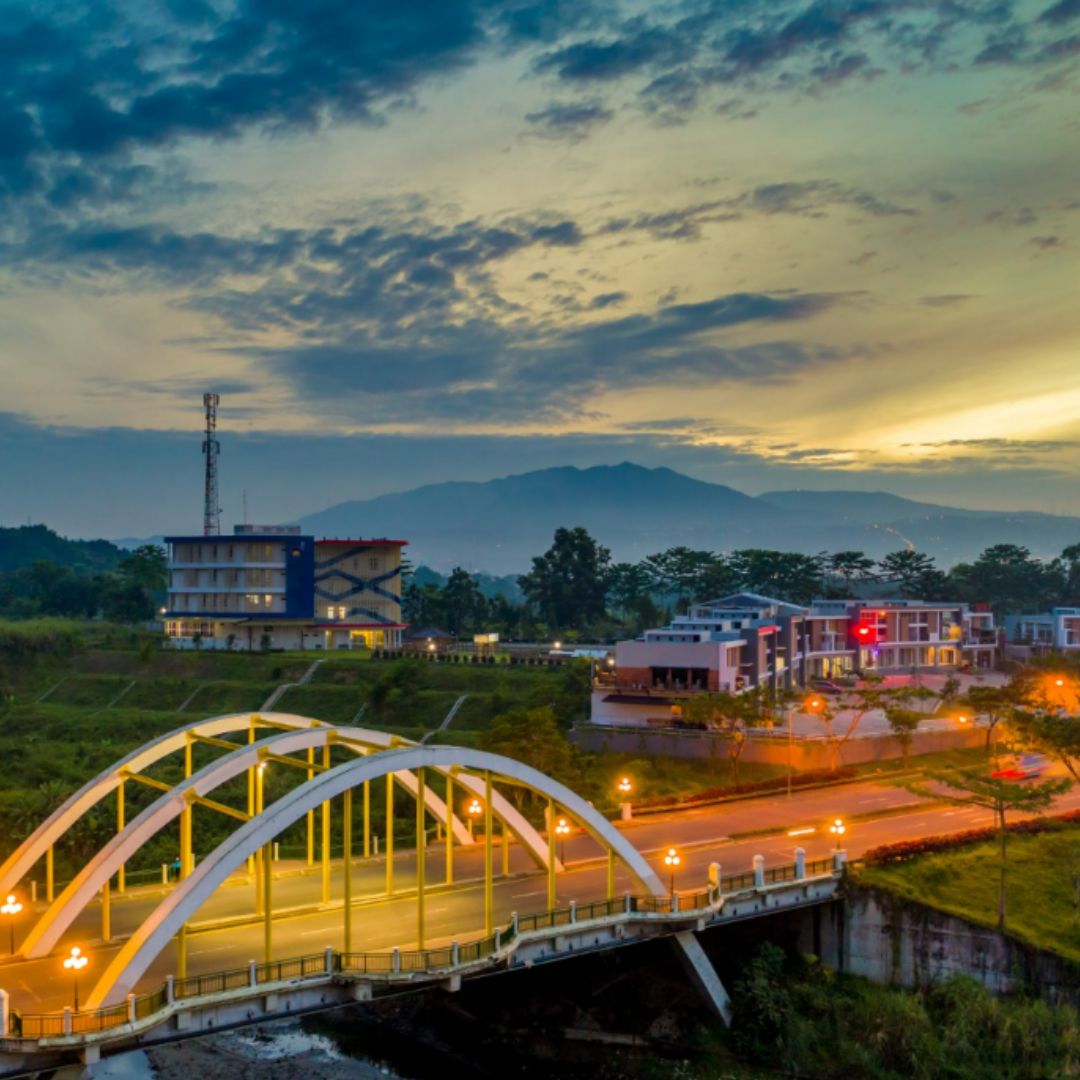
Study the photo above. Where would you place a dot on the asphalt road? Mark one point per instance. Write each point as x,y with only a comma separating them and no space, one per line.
702,836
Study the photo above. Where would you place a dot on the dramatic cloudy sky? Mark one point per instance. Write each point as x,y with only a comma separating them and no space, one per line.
774,244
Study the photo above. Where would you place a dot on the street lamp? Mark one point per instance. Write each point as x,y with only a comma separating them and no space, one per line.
838,828
75,963
562,831
624,787
672,860
474,811
11,908
962,719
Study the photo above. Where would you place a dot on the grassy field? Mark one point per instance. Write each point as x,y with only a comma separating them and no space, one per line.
1041,886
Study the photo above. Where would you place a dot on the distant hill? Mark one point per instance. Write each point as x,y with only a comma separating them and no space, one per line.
27,544
499,525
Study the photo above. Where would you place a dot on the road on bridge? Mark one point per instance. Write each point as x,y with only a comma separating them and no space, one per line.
875,814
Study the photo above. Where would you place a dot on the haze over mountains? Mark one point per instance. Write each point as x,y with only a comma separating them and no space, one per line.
499,525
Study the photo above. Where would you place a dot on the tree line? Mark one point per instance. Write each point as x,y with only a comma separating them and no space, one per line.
129,593
576,588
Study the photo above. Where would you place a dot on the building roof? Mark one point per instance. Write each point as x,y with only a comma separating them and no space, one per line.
361,540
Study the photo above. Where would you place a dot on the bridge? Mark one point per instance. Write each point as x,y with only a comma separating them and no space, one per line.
150,980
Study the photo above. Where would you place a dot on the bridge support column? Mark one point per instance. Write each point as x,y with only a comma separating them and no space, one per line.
489,890
759,871
703,974
131,1009
611,874
120,875
311,813
325,852
346,864
551,855
505,849
367,819
800,863
49,875
251,801
268,909
421,857
262,863
106,914
449,829
389,834
5,1014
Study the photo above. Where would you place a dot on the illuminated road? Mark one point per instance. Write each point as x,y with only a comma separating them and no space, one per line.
702,836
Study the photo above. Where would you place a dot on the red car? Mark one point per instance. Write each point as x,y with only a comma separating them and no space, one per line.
1025,767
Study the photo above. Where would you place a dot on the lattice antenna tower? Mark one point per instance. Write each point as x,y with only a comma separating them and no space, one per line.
211,448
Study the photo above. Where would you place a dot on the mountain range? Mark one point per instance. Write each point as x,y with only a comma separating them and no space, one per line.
497,526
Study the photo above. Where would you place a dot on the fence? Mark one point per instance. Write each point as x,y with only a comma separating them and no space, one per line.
141,1007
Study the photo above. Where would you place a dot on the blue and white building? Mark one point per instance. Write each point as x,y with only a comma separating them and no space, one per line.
273,587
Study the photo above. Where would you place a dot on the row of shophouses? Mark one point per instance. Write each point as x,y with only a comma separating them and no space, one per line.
744,641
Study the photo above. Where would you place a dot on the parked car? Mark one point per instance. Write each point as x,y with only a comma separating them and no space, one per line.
1025,767
826,686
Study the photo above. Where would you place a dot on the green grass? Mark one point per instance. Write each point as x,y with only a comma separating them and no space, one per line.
88,691
1040,892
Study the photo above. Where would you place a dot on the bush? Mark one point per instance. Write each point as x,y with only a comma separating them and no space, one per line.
928,845
774,783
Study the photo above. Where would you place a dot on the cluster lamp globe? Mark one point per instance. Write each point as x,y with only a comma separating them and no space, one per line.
672,860
838,828
11,907
75,963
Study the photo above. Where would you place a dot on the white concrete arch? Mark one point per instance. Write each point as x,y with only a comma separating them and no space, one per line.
34,847
179,907
48,930
18,864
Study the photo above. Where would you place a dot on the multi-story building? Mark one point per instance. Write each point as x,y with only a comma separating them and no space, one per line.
744,641
1057,631
271,587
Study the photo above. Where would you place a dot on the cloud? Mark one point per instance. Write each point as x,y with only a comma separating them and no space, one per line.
1062,12
938,300
606,300
568,120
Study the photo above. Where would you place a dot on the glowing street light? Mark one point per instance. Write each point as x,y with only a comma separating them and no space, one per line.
962,719
474,810
11,908
625,785
562,831
75,963
556,645
838,828
672,860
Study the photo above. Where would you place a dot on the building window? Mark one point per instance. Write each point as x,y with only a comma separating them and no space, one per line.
373,564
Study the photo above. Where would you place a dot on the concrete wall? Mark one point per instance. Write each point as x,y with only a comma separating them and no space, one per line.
892,941
805,754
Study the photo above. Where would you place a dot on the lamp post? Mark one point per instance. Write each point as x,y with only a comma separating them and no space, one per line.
11,908
838,828
75,963
624,787
562,831
474,810
672,860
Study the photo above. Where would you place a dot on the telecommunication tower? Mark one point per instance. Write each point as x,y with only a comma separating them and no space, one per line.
211,448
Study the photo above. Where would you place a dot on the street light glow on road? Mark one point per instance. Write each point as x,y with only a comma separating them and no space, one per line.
803,832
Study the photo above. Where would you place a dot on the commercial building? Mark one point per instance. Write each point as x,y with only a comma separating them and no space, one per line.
1057,631
270,587
745,641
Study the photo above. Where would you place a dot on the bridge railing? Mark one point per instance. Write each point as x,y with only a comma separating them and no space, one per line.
141,1007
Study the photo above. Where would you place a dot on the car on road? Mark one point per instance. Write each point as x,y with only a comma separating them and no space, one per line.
1025,767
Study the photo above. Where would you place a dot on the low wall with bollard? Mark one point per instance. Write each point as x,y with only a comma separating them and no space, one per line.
202,1003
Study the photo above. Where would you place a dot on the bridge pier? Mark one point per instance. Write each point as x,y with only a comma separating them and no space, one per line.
703,974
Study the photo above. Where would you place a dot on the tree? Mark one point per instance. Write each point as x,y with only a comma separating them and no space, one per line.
849,567
995,703
533,737
915,573
685,574
781,574
1057,735
726,715
972,787
464,605
903,723
568,583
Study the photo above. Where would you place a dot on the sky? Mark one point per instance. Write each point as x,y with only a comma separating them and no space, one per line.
772,244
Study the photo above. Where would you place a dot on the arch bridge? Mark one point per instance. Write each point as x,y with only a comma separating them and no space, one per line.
333,765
